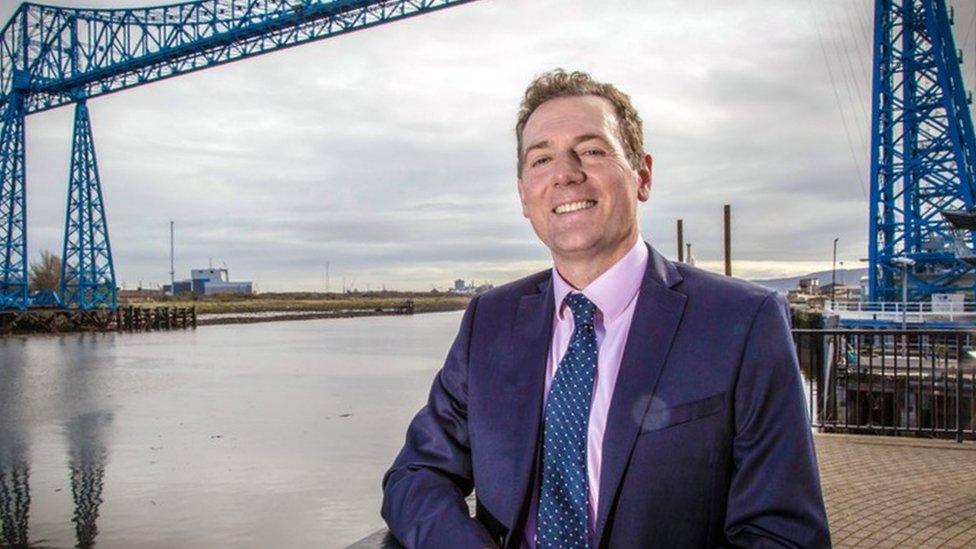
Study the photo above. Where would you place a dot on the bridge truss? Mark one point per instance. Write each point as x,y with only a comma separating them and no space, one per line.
923,155
52,56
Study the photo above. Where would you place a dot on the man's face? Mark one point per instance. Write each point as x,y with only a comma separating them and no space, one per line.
576,186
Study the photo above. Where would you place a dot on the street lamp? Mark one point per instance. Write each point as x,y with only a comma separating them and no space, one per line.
904,263
833,275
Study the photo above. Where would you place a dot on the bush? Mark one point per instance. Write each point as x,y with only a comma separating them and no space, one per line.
45,274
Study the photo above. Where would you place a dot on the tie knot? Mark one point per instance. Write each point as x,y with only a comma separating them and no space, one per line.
582,308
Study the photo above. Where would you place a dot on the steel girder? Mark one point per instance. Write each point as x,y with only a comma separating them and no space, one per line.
923,152
69,53
13,208
51,56
87,271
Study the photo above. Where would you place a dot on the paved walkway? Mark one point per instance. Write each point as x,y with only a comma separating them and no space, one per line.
898,492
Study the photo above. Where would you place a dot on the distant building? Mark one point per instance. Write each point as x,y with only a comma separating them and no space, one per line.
462,287
808,286
807,291
217,281
181,286
209,282
841,292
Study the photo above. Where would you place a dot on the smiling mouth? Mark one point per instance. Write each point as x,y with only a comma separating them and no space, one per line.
574,206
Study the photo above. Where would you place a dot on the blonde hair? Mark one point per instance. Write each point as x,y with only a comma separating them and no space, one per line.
559,83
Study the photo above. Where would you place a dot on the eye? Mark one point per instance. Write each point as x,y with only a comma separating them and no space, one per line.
539,161
594,152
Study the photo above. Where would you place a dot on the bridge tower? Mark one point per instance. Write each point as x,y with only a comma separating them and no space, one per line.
87,271
13,206
923,155
52,56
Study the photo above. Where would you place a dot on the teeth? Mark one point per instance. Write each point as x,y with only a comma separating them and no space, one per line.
574,206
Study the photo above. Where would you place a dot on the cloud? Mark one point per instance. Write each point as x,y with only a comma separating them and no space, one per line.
388,153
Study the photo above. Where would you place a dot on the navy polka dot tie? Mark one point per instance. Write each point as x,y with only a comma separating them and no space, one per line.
563,503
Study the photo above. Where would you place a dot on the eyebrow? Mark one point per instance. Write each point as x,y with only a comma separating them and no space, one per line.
576,141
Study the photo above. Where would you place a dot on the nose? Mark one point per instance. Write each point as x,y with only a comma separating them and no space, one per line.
567,169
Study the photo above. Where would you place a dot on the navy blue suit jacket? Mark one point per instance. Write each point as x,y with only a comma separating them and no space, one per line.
708,441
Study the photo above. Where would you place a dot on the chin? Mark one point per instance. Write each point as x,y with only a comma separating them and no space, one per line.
573,246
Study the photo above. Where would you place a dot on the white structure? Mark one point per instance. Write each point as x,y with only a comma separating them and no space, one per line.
948,302
939,310
217,281
462,287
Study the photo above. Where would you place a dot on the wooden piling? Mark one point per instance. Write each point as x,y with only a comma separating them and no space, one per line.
681,241
727,219
127,318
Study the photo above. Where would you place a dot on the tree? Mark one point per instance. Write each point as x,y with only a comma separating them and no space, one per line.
46,273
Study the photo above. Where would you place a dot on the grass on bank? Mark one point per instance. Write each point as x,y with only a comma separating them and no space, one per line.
424,302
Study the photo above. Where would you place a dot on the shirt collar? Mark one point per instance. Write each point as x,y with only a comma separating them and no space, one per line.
613,290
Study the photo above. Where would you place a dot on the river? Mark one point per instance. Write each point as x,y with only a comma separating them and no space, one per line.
272,434
256,435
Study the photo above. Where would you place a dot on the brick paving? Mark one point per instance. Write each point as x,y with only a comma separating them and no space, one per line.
898,492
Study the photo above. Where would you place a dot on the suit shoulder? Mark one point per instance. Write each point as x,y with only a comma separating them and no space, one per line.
516,288
699,284
503,301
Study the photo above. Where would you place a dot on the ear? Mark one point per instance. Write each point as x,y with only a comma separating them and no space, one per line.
644,178
521,193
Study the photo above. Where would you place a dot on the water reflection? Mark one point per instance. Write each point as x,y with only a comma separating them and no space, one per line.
14,470
258,435
87,465
75,402
14,503
86,432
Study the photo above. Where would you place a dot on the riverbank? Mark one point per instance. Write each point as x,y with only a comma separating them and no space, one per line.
148,313
267,307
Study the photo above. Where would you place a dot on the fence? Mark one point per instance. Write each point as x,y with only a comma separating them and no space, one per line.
914,312
890,382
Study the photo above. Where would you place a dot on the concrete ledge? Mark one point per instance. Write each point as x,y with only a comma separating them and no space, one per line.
378,540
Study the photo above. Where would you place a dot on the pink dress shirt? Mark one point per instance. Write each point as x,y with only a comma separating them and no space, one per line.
615,295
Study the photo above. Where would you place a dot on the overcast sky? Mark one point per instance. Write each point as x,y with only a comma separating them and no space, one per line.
389,152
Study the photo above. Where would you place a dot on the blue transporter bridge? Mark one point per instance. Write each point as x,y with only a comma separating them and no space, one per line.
52,56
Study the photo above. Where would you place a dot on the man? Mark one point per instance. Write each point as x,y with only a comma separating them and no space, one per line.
618,399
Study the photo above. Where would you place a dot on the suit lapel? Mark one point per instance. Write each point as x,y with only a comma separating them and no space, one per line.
526,381
656,318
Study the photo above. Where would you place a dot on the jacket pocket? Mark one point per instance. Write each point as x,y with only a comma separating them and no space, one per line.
662,418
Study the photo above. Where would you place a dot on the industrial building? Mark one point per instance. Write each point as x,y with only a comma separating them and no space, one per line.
209,281
462,287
